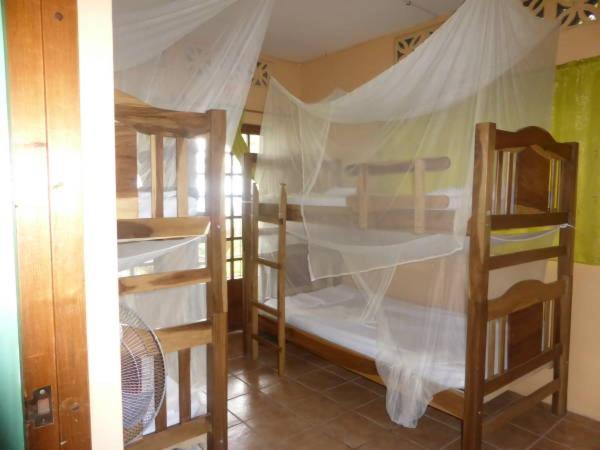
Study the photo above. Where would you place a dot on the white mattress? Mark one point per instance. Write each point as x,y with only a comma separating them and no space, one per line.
327,313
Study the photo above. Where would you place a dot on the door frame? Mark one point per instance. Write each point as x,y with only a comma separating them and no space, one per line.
42,50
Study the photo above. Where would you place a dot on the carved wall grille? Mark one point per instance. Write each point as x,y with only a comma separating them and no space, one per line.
261,74
569,12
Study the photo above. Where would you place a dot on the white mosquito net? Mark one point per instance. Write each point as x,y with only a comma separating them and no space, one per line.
378,283
185,55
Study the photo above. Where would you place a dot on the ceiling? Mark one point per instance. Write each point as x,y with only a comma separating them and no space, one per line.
304,29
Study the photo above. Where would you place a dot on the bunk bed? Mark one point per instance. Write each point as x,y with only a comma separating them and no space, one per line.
521,180
134,234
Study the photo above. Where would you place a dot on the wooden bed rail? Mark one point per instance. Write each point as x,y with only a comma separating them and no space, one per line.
160,124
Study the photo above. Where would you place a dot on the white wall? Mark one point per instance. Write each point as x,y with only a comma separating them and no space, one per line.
102,301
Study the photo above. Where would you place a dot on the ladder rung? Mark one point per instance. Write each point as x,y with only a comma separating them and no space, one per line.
266,308
271,264
181,337
266,341
274,220
173,435
163,280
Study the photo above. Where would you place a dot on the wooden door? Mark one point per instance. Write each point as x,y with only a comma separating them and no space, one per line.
46,155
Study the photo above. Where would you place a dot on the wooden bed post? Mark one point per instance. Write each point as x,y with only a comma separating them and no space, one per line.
249,279
562,314
281,255
254,267
216,368
478,293
419,195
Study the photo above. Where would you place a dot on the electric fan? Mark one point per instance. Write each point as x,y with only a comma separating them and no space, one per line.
142,374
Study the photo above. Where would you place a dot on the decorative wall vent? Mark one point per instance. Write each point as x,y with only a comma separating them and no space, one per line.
569,12
261,74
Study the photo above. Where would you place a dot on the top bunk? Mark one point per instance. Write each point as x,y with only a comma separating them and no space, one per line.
527,171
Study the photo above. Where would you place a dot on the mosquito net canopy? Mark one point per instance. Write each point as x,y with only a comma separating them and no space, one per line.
354,164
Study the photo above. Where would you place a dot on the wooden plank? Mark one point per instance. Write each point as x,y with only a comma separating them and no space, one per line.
65,168
269,219
151,120
217,289
530,137
162,228
507,221
160,421
163,280
419,195
281,279
562,317
247,246
391,167
181,337
519,407
522,295
501,380
181,172
157,175
512,259
173,435
524,335
450,401
270,211
268,263
253,323
387,203
184,358
362,195
479,253
26,93
266,308
266,341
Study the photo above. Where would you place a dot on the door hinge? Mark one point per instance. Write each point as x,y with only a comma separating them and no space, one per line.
39,407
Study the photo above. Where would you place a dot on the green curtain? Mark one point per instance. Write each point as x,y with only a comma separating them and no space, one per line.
577,118
239,145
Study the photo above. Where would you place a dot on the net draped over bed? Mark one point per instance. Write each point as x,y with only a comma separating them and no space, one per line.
492,61
193,56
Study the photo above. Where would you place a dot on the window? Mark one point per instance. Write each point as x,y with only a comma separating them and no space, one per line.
233,203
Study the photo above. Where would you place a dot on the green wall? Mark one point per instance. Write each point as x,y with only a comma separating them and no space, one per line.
11,404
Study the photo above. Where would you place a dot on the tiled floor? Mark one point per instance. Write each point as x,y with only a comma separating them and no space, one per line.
318,406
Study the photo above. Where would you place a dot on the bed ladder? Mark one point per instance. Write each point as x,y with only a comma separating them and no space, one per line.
211,332
255,306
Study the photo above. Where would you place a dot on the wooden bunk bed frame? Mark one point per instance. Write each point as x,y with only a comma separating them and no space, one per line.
212,332
533,318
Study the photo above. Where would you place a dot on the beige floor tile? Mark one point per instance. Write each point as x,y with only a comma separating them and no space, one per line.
288,392
317,409
376,411
350,395
277,425
446,419
242,363
510,437
547,444
429,433
457,445
236,387
314,439
320,380
379,389
259,378
251,404
295,366
537,420
236,345
389,441
575,435
232,419
352,429
342,373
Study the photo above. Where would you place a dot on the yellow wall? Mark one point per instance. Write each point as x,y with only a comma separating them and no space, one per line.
349,68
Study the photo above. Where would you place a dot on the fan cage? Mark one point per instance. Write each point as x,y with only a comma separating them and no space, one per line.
142,374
